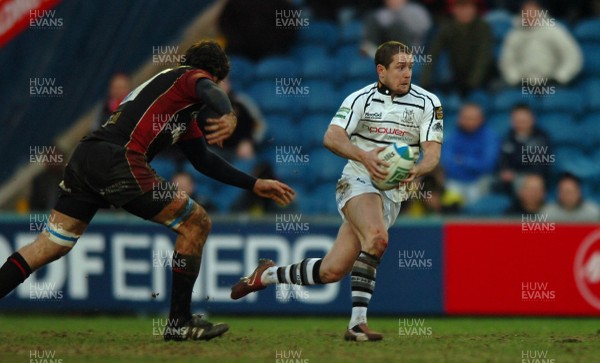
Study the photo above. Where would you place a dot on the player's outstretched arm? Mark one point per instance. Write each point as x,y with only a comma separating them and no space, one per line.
213,166
281,193
338,142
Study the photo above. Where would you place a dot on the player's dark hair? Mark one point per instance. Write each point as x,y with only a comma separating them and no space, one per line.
209,56
386,52
521,107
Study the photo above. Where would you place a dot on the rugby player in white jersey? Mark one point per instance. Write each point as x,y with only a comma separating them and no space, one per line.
381,113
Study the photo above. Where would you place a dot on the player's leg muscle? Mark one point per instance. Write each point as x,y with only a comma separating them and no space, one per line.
190,221
339,260
365,214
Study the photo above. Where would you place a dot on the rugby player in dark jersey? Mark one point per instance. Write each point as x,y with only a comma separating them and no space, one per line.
110,167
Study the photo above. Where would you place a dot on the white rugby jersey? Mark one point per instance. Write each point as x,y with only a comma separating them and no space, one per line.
372,118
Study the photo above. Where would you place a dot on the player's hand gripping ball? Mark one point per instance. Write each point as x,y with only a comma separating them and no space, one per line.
401,159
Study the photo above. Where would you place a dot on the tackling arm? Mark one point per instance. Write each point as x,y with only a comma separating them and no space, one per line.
212,165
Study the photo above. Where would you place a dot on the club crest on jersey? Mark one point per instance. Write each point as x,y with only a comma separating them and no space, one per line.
408,116
372,115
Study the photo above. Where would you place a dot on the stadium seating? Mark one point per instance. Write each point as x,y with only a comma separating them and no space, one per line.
319,32
561,128
563,100
591,62
492,205
588,31
312,129
242,72
277,67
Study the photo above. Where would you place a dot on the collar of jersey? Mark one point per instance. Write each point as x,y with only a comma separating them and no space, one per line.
384,90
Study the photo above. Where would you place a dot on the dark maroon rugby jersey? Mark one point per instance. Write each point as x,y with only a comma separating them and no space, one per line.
158,113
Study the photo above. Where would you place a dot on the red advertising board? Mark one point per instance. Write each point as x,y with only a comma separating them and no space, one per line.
538,268
16,16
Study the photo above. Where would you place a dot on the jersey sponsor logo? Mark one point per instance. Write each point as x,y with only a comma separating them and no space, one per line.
385,130
439,113
342,113
372,115
437,127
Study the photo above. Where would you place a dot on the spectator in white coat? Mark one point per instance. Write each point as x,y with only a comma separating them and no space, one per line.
539,47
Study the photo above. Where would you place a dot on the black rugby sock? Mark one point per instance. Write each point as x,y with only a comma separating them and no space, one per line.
14,271
185,271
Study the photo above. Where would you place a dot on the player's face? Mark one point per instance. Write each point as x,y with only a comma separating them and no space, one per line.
398,74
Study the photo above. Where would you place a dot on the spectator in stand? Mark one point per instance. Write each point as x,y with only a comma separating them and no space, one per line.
470,154
539,47
399,20
251,126
570,205
524,149
531,196
430,196
185,183
119,87
468,41
250,27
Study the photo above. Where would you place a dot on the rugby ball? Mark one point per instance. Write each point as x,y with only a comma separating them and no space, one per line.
401,159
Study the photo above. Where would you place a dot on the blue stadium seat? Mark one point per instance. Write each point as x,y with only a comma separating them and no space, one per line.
319,68
281,130
352,32
291,172
588,31
325,166
591,87
563,100
271,99
491,205
500,123
575,161
561,128
345,54
360,68
322,97
451,102
277,67
319,32
310,51
589,132
505,100
313,127
164,166
242,72
320,200
591,60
